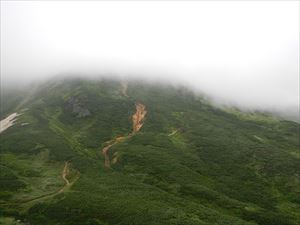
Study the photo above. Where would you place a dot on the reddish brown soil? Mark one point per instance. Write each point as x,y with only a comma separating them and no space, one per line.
137,123
138,117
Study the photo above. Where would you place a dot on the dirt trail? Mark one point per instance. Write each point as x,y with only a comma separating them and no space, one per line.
8,122
172,133
137,123
138,117
124,89
106,156
67,184
64,175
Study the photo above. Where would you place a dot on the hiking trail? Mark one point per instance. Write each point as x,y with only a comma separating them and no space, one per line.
124,89
172,133
67,184
138,117
137,123
64,175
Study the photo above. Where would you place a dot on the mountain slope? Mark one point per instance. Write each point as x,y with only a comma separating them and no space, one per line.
140,153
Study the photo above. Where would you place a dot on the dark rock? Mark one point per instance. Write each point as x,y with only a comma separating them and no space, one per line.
76,106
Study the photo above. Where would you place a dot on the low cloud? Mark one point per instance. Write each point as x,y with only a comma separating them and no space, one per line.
240,53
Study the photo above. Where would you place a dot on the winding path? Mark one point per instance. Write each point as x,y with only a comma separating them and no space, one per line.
124,89
172,133
64,175
137,123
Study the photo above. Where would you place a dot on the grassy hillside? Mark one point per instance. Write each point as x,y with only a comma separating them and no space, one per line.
189,164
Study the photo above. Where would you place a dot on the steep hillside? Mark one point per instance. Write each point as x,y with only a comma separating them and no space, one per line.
109,152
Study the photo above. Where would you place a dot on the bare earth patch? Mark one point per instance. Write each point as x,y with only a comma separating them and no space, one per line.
172,133
137,123
138,117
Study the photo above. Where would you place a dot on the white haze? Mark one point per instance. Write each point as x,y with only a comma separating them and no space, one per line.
244,53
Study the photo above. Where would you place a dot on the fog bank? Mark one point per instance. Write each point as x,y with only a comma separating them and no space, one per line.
240,53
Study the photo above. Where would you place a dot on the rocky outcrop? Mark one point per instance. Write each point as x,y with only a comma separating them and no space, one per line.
76,106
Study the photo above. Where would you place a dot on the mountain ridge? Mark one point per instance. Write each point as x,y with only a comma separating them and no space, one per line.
219,167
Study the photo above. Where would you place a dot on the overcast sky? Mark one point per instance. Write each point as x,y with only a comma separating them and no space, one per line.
245,52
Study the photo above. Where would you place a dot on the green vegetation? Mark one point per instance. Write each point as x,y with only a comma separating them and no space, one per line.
220,166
